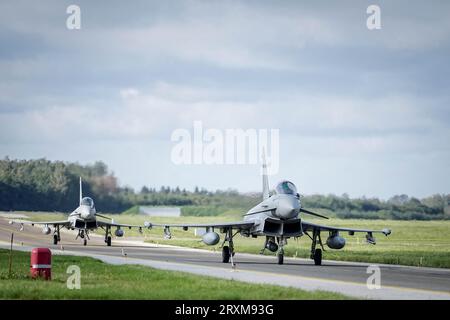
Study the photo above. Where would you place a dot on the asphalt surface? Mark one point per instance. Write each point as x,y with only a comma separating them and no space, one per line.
397,282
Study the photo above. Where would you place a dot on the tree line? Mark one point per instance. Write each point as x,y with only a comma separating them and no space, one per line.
43,185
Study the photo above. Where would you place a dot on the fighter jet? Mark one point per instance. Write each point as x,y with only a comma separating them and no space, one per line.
278,218
83,219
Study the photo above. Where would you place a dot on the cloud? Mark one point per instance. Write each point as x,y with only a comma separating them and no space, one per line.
336,90
156,111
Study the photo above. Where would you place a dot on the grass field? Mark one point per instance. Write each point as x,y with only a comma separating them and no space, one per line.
103,281
415,243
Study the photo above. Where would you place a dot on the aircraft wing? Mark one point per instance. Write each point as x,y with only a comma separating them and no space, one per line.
308,226
240,225
53,223
113,224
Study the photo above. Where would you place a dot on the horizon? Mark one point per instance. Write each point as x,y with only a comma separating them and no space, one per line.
157,188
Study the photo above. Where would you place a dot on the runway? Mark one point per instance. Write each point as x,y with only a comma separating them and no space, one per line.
397,282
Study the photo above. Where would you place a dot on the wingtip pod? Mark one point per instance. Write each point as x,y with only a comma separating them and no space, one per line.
386,232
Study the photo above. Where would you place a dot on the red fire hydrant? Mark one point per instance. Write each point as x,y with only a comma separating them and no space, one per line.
41,263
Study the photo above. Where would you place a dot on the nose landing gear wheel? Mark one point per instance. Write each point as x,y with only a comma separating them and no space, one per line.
108,241
55,239
225,254
318,257
280,257
85,242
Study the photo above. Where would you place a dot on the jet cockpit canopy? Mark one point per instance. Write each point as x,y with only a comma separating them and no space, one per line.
286,187
86,201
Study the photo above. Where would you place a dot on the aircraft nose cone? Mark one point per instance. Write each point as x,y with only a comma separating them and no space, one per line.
288,208
85,213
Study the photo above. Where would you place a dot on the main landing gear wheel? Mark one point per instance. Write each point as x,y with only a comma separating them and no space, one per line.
85,242
108,241
55,239
318,257
225,254
280,257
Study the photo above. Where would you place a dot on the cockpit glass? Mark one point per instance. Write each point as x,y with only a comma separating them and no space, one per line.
286,187
87,202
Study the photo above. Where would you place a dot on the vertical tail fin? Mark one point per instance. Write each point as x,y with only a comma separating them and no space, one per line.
265,179
81,191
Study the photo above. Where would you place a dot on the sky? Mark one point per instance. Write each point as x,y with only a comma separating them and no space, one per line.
359,111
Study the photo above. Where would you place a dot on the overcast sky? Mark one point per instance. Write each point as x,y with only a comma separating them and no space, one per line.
359,112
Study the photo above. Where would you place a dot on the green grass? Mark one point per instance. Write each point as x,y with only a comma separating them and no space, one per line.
415,243
132,211
103,281
209,211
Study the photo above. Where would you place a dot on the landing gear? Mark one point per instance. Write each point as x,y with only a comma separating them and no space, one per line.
83,234
280,254
108,237
318,257
56,235
226,254
316,254
271,244
228,251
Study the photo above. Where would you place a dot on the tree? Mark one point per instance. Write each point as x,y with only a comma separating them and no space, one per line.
145,190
